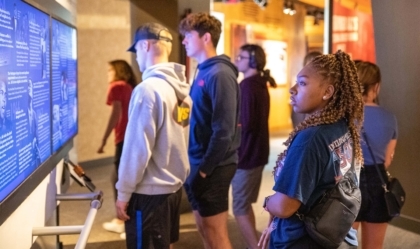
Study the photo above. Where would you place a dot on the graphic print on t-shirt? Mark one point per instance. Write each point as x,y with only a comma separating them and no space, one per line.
342,151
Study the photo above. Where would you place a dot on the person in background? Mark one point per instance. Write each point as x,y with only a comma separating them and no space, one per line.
310,56
43,35
33,126
57,130
154,162
15,20
5,124
297,118
32,116
64,87
380,127
121,81
215,130
3,101
319,151
254,150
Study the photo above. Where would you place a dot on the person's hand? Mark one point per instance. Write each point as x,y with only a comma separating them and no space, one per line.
265,236
122,210
202,174
101,148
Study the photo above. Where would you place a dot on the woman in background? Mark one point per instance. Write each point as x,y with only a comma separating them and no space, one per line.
380,127
121,84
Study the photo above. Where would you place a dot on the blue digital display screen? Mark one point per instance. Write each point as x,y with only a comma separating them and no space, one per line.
64,83
38,90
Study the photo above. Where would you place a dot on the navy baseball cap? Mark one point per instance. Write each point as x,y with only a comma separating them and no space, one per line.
150,30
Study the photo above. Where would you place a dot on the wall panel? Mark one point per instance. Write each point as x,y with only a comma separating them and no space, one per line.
397,38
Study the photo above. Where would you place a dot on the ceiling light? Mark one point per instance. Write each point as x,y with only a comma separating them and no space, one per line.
289,8
286,7
261,3
292,10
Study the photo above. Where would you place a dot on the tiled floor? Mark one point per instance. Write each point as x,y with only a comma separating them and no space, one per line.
74,213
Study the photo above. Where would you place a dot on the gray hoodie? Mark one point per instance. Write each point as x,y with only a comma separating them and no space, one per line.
155,159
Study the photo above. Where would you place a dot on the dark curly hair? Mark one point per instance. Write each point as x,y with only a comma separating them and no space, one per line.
123,71
202,23
346,102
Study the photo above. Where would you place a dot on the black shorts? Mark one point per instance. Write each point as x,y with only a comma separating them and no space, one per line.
154,221
210,196
373,208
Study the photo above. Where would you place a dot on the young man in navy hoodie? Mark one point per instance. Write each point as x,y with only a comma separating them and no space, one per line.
214,133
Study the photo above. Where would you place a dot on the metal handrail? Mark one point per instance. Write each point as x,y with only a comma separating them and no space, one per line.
83,230
56,230
78,197
84,235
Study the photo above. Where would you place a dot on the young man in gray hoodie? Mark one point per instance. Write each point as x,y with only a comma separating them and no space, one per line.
154,162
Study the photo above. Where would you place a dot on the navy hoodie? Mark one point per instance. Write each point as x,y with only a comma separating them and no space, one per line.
214,127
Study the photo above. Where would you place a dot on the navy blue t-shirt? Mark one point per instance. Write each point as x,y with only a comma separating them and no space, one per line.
316,159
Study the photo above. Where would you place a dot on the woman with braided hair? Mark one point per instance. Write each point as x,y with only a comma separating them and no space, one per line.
319,150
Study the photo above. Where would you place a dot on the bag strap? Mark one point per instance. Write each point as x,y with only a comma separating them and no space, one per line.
352,169
374,161
352,160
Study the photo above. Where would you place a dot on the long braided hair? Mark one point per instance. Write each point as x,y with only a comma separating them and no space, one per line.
346,101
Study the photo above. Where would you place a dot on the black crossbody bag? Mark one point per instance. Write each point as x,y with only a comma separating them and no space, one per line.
394,193
332,216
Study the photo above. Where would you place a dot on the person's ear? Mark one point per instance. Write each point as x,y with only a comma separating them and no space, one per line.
329,92
377,88
145,45
207,37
